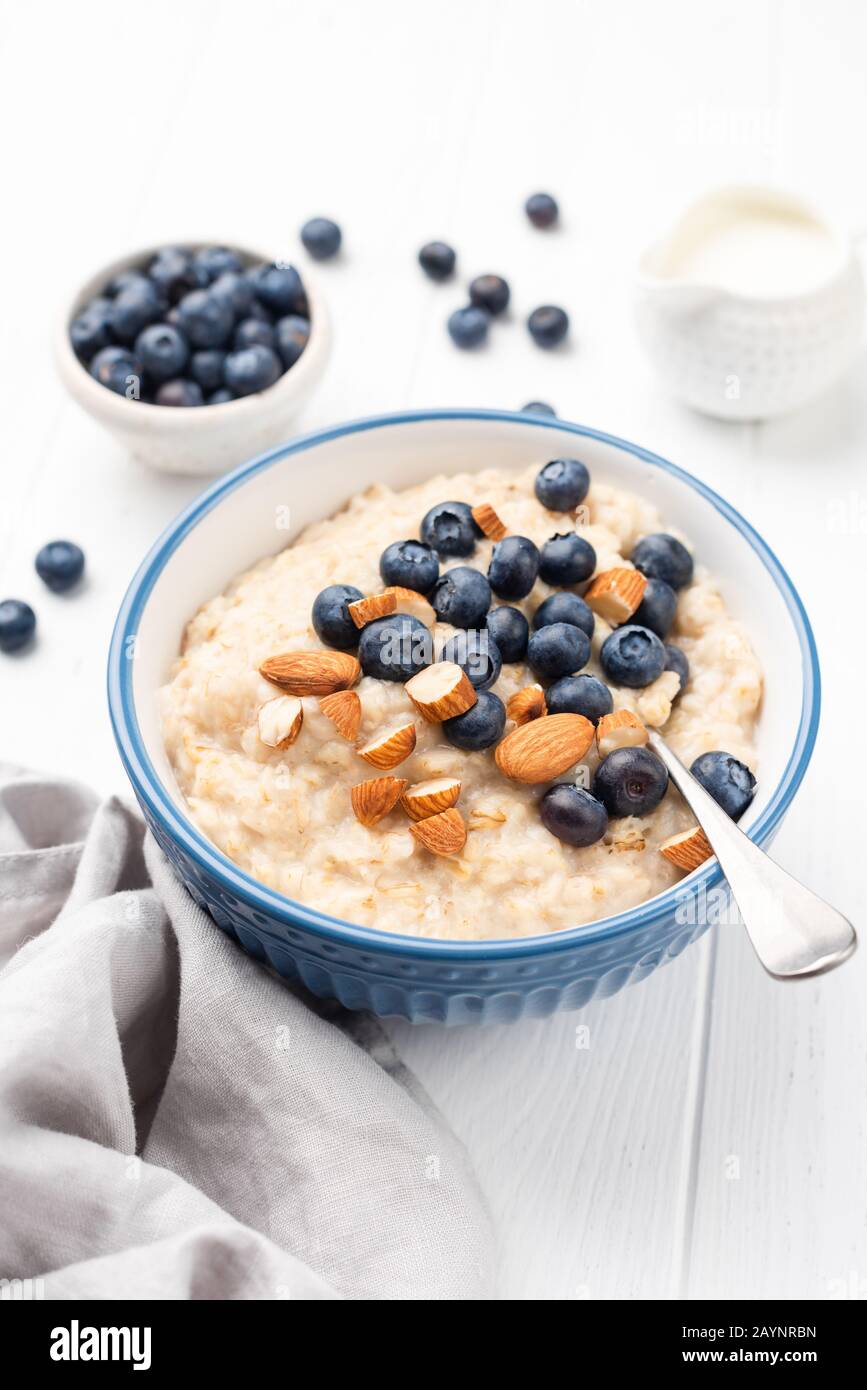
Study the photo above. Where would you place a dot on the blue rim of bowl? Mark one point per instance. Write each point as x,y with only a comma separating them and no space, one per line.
288,911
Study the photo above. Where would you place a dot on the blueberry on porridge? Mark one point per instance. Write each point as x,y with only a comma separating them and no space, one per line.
425,709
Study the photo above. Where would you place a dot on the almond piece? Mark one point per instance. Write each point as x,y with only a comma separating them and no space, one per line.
374,799
527,704
441,691
311,673
487,521
390,747
688,849
280,721
408,601
620,729
615,594
542,749
367,610
442,834
343,708
429,798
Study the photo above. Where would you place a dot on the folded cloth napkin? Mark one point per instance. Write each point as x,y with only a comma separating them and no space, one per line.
177,1124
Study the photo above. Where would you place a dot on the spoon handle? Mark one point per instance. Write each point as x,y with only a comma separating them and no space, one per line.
793,932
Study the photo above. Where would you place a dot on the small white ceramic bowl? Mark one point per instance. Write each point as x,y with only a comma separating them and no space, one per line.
202,439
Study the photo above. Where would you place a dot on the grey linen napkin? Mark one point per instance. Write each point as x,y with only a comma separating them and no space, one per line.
174,1122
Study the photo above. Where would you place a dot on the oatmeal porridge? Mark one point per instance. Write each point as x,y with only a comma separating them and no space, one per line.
447,799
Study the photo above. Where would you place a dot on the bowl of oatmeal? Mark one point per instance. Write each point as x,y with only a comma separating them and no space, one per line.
429,831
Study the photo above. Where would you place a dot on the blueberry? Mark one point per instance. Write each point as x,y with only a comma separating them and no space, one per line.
17,624
567,559
514,567
510,630
477,654
60,564
410,565
548,325
573,815
676,660
558,650
220,396
632,656
89,330
662,557
171,270
468,327
480,727
462,597
331,619
539,408
252,369
542,209
133,309
579,695
163,351
395,648
125,280
562,484
292,334
256,310
450,529
491,293
729,782
321,238
119,370
235,288
437,260
213,261
250,332
657,607
206,318
206,367
180,392
280,289
565,608
630,782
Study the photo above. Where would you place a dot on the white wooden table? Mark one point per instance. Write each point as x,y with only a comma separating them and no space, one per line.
711,1140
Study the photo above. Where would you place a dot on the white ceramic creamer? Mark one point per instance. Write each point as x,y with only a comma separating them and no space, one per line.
751,305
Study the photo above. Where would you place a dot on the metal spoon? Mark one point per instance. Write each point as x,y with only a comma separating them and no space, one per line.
793,932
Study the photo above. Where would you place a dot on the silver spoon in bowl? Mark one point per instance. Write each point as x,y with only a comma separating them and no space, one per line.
794,933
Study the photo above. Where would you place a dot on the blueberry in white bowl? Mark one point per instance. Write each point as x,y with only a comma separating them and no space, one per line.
565,608
630,782
395,648
560,649
661,556
583,694
514,567
479,727
729,781
657,608
462,597
477,654
449,529
632,656
510,630
567,558
332,621
562,484
676,660
573,814
409,565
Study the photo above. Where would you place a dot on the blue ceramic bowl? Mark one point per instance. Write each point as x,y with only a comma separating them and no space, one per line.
254,511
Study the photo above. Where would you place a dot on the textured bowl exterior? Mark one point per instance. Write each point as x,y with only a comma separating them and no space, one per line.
424,979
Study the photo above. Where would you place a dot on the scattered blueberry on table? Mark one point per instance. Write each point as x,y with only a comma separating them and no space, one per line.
468,327
632,656
573,815
729,781
539,408
60,565
17,624
542,209
548,325
437,259
321,238
491,293
630,782
480,727
177,330
562,484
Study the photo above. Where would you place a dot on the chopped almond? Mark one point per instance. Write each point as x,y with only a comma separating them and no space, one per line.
615,594
390,747
429,798
620,729
367,610
527,704
688,849
279,721
488,522
408,601
441,691
374,799
442,834
343,708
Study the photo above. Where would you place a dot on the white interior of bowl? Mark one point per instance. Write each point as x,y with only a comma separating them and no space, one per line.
250,521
